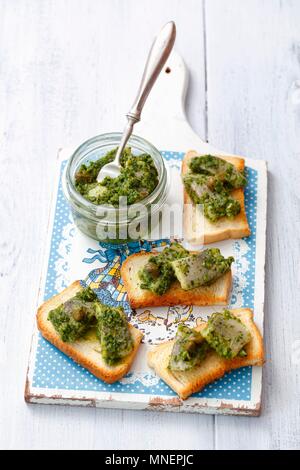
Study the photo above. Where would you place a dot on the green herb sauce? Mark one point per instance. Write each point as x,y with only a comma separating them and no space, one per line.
75,317
175,262
83,313
115,338
189,349
138,178
226,334
158,274
209,182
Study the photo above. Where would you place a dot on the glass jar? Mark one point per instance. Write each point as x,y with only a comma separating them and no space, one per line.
108,223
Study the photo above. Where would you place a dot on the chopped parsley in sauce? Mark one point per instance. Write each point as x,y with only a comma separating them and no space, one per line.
137,179
189,349
177,263
226,334
210,181
75,317
158,274
115,338
82,313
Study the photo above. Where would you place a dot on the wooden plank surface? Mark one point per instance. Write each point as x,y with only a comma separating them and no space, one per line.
69,70
253,63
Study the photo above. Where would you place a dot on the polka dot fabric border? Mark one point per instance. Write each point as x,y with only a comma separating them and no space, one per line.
61,218
251,208
54,370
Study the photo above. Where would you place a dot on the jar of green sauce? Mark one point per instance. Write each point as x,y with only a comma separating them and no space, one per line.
105,222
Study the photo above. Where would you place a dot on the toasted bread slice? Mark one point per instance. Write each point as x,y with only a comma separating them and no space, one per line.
214,294
199,230
85,351
213,367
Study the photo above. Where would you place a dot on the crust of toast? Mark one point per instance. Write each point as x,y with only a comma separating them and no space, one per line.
224,228
84,351
213,367
216,294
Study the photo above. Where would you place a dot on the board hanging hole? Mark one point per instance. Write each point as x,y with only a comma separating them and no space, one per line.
168,70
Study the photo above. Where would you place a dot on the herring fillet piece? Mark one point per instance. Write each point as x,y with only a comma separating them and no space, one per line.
191,271
226,334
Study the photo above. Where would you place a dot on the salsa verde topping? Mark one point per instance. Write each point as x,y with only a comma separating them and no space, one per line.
191,270
209,182
137,179
158,274
83,313
189,349
75,317
115,338
226,334
202,268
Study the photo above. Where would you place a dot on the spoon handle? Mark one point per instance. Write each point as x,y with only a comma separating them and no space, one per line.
158,55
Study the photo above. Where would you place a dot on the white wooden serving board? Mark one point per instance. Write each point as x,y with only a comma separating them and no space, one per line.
55,379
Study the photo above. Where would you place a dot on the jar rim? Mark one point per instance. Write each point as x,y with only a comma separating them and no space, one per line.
89,207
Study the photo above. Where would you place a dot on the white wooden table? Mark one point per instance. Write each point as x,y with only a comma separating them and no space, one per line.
69,70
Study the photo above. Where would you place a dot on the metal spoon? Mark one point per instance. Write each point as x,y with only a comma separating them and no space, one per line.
157,58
